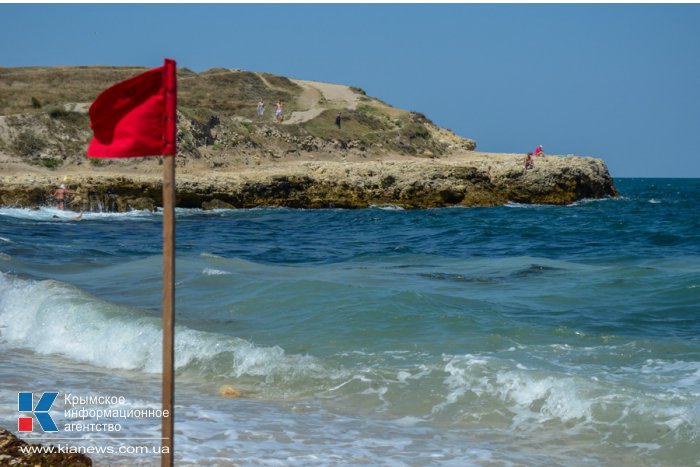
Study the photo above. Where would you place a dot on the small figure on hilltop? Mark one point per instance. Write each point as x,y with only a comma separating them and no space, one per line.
261,108
278,111
529,163
60,194
539,151
338,119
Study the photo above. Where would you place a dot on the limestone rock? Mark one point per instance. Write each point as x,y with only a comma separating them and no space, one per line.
485,180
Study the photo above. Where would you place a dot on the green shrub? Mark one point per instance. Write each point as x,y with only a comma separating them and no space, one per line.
366,108
416,130
366,119
67,116
57,113
50,163
28,144
420,118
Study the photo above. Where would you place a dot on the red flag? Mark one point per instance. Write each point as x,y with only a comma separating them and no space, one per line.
136,117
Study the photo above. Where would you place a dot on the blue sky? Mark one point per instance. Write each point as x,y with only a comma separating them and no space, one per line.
619,82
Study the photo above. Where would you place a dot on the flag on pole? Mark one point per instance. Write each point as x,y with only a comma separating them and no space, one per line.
136,117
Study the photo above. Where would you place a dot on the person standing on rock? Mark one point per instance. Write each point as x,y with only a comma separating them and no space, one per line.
278,111
60,196
338,119
529,163
261,108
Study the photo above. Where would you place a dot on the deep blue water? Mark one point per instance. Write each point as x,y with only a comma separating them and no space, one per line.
520,334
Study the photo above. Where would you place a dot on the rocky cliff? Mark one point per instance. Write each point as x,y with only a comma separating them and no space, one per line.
231,157
478,180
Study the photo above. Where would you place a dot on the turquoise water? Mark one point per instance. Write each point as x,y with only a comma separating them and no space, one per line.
525,335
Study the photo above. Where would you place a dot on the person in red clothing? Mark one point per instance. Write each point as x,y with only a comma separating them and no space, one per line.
539,151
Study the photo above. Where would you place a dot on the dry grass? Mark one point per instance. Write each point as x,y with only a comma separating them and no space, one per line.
46,120
29,90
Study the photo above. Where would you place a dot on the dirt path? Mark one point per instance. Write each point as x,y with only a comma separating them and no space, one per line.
308,100
336,96
267,83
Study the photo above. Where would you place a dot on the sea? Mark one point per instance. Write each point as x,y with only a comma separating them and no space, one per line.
515,335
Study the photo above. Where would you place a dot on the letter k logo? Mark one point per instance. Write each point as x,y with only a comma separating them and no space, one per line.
25,403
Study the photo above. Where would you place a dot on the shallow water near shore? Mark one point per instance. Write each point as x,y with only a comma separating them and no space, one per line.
526,335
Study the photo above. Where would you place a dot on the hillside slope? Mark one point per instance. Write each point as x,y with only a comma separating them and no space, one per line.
43,118
228,156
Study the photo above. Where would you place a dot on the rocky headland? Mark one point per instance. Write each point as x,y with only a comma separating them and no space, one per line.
477,180
229,157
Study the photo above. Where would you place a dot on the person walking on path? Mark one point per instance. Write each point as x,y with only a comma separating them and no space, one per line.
261,108
278,111
338,119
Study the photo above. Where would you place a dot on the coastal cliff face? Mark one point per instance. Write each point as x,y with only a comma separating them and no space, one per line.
230,157
485,180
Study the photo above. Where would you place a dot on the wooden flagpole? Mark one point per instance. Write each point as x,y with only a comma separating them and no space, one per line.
135,134
168,310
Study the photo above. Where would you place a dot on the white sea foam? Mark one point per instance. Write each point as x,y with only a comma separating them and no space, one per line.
53,318
210,255
214,272
387,207
409,421
557,398
585,201
661,394
532,397
513,204
53,214
684,375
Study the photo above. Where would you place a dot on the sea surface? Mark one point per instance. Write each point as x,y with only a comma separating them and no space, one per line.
510,335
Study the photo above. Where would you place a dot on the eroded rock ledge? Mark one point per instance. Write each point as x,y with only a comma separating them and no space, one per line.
416,183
